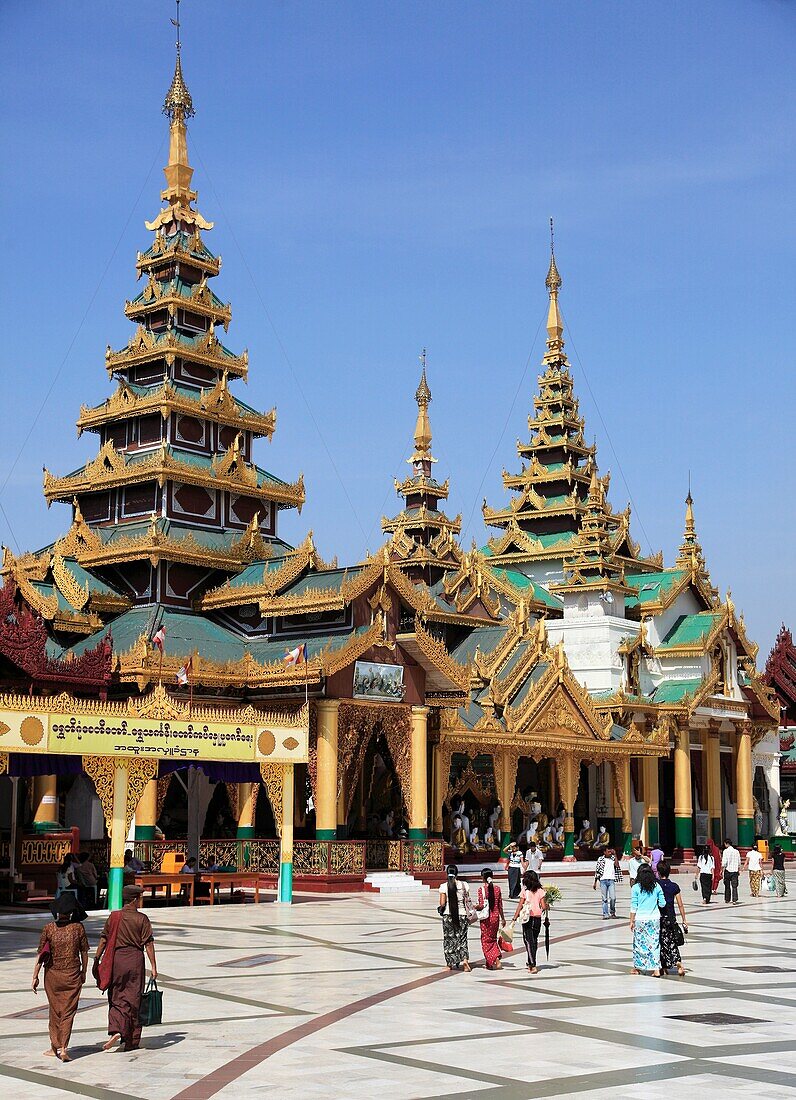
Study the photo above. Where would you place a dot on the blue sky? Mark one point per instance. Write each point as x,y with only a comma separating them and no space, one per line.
381,177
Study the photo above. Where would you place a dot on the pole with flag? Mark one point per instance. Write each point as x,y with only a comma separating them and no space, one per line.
296,657
159,640
185,676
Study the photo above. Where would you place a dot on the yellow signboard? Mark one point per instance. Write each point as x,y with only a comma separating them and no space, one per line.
109,731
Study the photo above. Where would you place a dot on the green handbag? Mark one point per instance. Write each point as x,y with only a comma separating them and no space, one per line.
151,1011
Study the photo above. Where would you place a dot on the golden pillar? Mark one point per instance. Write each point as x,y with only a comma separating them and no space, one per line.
285,888
146,814
508,765
342,807
45,803
440,787
326,783
625,802
418,817
247,808
711,747
568,777
743,783
651,800
683,805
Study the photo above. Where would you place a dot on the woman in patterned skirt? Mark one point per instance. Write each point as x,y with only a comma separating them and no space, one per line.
63,952
490,894
670,951
454,906
646,902
754,863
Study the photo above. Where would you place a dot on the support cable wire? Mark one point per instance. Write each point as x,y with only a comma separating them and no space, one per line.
582,369
488,467
278,339
72,342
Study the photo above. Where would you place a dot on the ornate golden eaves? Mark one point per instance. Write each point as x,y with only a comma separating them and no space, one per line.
146,346
172,250
216,404
200,300
229,472
273,581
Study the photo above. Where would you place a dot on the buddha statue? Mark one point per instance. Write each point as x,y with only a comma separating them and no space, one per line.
475,840
460,840
603,840
534,806
541,823
490,838
547,840
586,836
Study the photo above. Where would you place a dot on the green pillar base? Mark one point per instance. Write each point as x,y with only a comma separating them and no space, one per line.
115,885
418,834
746,832
785,843
326,834
715,830
284,891
653,831
627,844
145,832
245,832
47,827
569,844
683,832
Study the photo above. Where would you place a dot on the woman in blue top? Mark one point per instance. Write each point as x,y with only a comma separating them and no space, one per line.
646,902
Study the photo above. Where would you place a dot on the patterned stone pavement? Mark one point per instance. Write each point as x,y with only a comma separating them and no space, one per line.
344,996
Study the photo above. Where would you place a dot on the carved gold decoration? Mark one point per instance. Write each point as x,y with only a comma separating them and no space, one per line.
102,771
272,781
229,472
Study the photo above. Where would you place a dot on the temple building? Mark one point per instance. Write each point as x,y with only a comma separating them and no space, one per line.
554,682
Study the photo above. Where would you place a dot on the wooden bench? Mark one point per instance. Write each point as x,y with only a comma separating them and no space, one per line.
152,881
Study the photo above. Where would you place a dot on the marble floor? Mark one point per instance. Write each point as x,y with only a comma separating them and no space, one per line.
344,996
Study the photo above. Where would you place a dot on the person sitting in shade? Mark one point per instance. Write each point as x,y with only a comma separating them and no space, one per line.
132,866
585,837
189,867
602,841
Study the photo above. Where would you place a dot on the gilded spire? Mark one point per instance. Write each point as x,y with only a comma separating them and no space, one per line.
423,425
178,107
178,99
555,326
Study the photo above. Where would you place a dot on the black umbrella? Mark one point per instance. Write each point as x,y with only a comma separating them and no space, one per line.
547,933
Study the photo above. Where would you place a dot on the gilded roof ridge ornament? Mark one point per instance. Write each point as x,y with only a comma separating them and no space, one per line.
555,326
422,451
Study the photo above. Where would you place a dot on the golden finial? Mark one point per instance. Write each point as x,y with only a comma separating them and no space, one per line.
730,605
595,494
553,282
423,425
178,99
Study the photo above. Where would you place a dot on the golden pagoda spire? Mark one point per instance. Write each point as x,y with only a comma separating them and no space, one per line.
690,555
178,107
555,326
423,425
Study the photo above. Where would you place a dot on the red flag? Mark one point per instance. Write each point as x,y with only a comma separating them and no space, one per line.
159,639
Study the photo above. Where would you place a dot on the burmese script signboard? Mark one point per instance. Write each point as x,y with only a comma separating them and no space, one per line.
109,731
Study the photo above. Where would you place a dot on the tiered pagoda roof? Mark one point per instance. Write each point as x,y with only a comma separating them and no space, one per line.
173,488
542,521
423,538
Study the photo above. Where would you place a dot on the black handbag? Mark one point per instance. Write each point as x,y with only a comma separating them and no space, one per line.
151,1011
679,934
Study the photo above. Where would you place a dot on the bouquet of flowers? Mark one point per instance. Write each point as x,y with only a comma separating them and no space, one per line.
552,894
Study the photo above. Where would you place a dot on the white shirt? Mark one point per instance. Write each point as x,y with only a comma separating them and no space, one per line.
754,860
609,869
731,860
705,865
534,860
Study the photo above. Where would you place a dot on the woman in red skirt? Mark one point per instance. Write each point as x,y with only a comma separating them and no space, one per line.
489,896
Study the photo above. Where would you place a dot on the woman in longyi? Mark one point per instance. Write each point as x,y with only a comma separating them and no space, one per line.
63,952
119,968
